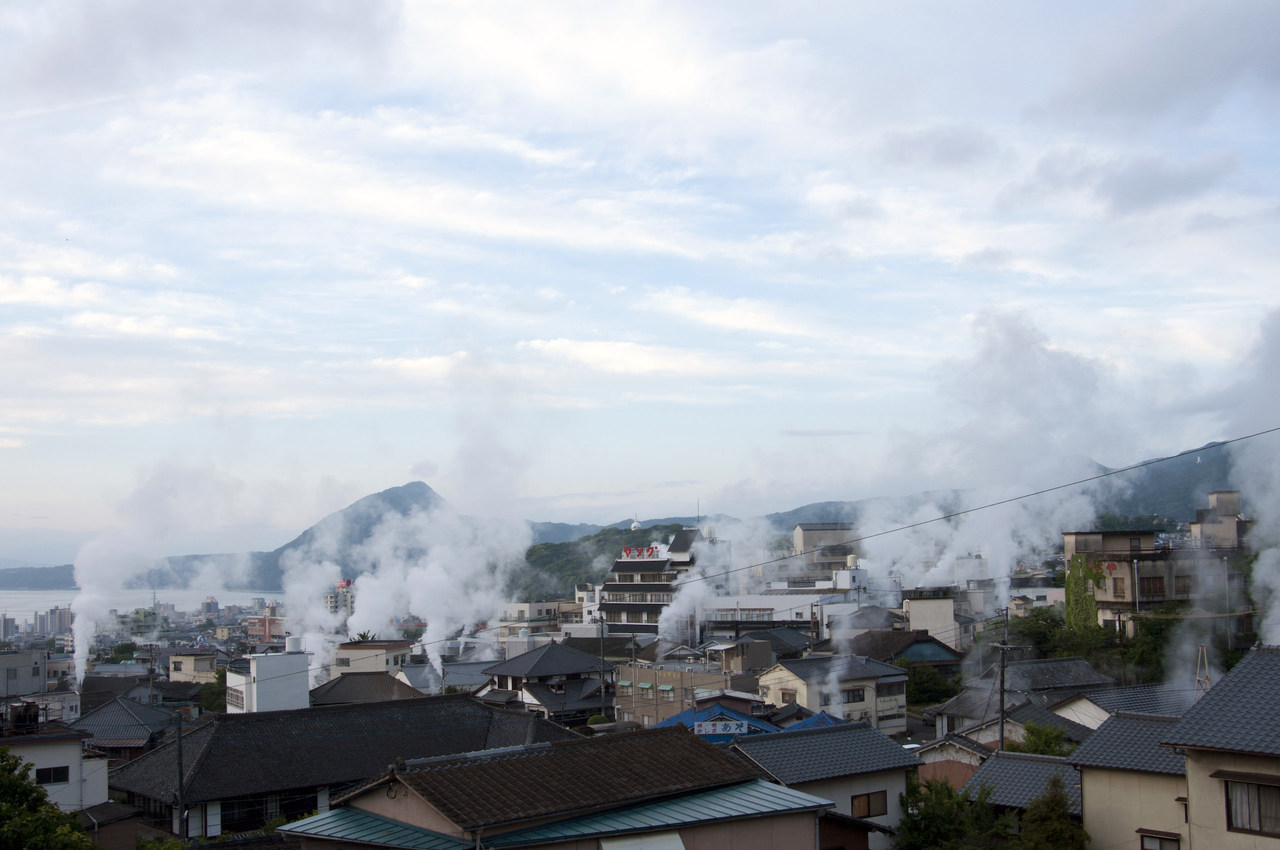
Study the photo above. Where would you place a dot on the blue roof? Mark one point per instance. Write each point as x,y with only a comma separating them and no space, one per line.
716,711
818,721
352,824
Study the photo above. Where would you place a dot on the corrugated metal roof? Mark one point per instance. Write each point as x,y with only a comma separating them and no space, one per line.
352,824
751,799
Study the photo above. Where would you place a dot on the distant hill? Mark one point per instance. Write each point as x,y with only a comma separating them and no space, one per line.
566,553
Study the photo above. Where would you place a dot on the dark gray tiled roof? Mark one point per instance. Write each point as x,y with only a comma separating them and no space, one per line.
1032,711
1168,699
816,667
807,755
124,723
236,755
1047,674
1017,778
1131,742
362,687
553,659
1239,713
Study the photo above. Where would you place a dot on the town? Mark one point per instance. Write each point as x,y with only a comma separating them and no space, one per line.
660,708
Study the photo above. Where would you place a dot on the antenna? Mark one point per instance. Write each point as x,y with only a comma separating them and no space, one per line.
1202,672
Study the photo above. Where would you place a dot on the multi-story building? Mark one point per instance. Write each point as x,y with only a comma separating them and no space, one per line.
819,549
639,589
651,693
268,627
371,656
1136,570
194,666
22,672
849,686
270,682
342,599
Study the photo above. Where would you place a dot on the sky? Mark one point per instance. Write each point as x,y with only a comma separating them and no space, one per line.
583,261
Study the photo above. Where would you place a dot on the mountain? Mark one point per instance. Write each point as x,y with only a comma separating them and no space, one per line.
1175,488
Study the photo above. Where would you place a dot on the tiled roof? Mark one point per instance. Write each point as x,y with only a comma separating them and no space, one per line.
820,720
807,755
552,659
1239,712
235,755
885,644
714,711
1032,711
362,687
124,723
1168,699
743,800
845,667
1131,742
978,701
1046,674
572,777
577,695
783,641
1017,778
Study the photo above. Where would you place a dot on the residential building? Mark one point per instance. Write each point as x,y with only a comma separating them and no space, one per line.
1137,570
197,665
651,693
341,600
242,770
1133,790
555,681
1231,741
124,729
1015,779
849,686
915,646
371,656
574,794
274,681
22,672
859,768
362,687
72,779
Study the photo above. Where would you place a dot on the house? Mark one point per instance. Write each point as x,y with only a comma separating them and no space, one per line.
851,686
124,729
1231,741
1027,710
73,779
371,656
913,645
1132,786
242,770
194,666
953,759
1015,779
1092,709
362,687
855,765
269,681
573,795
560,683
22,672
718,723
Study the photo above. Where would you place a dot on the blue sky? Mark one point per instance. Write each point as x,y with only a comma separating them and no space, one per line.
579,261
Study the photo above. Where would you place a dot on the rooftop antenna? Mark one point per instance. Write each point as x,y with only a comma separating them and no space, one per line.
1202,672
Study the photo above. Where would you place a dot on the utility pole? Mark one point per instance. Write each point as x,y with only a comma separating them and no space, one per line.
600,619
182,803
1004,654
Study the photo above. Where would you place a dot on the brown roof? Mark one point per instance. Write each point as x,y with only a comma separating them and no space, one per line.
568,777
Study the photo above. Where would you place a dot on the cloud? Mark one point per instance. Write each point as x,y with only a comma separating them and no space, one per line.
822,432
946,147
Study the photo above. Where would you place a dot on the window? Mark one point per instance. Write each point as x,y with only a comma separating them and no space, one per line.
853,695
788,696
53,775
235,698
1151,586
1253,808
891,689
1182,585
177,666
869,805
1159,842
1117,587
342,661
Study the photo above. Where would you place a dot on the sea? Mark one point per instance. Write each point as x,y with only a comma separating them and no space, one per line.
22,604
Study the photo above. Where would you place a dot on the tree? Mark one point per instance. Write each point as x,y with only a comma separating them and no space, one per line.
1047,822
28,821
1082,606
925,685
936,816
213,697
1044,740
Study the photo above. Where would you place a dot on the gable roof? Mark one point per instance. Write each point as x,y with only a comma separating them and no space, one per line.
887,644
576,696
1239,712
782,641
1049,674
1131,742
807,755
1165,698
567,778
844,667
362,687
552,659
818,721
1031,711
124,723
714,711
236,755
1018,778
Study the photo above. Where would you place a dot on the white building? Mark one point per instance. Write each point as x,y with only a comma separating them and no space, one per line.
272,682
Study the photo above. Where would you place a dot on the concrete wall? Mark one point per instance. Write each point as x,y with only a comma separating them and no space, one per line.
1116,803
841,790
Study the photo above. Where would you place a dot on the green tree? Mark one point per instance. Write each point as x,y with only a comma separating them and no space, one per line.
1082,607
936,816
1044,740
28,821
925,685
213,697
1047,822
